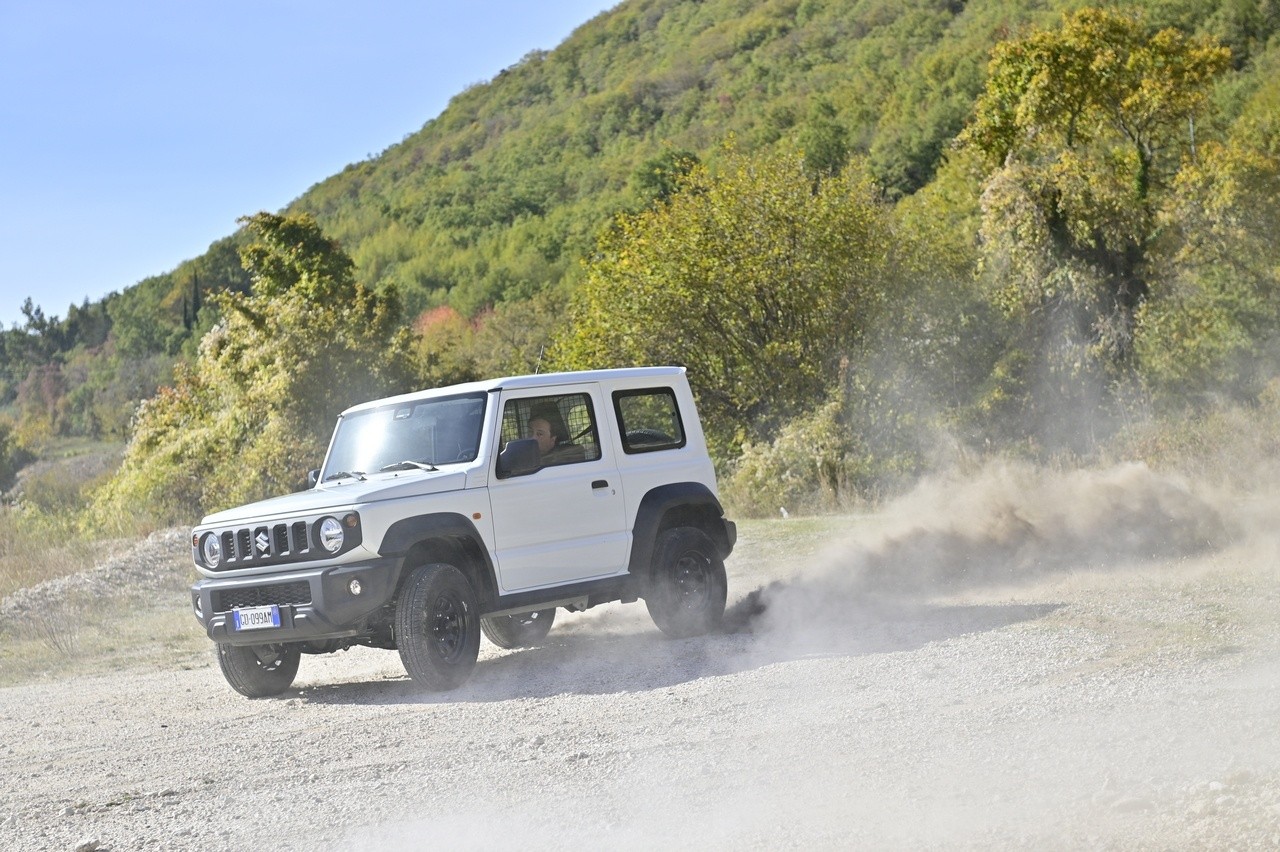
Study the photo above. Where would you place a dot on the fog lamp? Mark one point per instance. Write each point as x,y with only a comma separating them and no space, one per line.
355,587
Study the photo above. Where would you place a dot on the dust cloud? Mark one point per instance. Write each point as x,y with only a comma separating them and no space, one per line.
1009,523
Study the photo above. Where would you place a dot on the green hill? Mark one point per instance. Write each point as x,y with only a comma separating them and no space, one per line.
499,196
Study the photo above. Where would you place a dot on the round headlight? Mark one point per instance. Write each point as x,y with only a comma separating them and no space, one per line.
331,535
211,549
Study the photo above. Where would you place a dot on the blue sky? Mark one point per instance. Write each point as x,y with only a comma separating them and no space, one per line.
132,134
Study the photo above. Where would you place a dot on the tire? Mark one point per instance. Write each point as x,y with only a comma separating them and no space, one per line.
258,671
437,629
518,631
686,592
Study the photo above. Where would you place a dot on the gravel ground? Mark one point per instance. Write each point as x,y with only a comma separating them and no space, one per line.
972,670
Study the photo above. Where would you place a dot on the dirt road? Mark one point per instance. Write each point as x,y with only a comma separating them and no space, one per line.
968,677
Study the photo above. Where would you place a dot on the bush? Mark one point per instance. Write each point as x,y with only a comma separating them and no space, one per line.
1231,445
811,467
13,455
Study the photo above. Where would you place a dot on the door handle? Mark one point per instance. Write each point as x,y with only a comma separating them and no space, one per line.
600,483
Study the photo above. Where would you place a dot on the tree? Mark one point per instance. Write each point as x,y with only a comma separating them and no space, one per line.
823,139
1083,129
749,276
256,409
443,346
136,324
657,178
1213,330
292,255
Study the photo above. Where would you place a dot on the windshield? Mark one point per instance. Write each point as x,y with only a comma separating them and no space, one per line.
429,432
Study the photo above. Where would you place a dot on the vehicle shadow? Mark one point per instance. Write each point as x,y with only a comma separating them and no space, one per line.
593,660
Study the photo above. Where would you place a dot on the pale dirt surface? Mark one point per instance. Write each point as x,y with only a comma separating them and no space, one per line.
961,673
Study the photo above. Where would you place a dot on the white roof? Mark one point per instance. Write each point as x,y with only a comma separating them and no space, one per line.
521,382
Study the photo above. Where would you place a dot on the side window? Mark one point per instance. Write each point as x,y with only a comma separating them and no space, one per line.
563,425
649,420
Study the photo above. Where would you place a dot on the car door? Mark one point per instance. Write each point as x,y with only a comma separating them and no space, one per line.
566,521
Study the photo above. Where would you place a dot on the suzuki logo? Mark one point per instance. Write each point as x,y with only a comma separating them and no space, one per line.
263,542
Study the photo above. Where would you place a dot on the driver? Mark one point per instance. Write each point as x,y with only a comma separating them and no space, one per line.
548,429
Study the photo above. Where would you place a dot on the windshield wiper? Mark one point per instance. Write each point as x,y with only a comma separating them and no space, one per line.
356,474
407,464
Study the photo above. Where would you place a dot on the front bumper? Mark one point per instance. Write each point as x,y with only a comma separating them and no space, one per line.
314,603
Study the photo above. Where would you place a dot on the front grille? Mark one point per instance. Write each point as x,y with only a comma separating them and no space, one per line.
296,593
285,542
300,544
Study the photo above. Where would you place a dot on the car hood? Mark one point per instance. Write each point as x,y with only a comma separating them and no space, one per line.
343,494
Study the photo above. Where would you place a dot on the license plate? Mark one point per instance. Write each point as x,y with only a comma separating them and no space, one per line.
256,617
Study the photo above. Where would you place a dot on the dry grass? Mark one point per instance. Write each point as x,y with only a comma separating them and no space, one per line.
41,530
130,610
78,629
57,626
34,550
37,548
112,635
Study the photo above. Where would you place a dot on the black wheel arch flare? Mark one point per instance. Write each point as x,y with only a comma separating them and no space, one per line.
677,504
443,537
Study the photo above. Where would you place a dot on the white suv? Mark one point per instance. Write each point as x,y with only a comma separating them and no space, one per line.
480,507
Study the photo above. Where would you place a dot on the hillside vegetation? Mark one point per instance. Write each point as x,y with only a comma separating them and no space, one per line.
882,235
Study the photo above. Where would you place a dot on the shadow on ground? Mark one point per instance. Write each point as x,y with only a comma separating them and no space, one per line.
585,662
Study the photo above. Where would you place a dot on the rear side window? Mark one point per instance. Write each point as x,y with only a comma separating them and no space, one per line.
649,420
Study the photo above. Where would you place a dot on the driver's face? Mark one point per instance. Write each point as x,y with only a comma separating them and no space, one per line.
540,430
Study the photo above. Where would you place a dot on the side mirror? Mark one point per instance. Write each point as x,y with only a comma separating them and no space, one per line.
519,458
313,476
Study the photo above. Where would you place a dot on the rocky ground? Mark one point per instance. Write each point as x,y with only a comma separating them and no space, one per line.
1014,661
